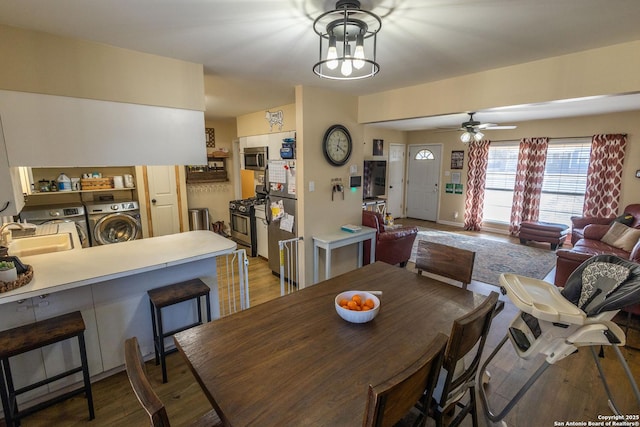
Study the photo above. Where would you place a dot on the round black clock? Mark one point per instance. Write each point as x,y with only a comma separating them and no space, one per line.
337,145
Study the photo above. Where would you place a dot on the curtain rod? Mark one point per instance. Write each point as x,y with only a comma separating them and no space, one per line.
551,137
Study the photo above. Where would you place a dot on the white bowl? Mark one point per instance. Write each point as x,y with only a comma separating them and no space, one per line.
357,316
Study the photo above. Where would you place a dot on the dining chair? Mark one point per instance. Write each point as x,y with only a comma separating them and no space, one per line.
458,376
448,261
389,401
151,403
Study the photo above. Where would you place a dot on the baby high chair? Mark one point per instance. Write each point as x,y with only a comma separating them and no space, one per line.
555,321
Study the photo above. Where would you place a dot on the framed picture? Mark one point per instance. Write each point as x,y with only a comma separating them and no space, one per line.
210,135
457,159
378,147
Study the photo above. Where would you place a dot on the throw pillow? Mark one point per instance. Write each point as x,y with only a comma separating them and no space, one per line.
622,237
625,218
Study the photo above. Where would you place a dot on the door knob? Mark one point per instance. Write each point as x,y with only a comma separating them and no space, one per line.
153,201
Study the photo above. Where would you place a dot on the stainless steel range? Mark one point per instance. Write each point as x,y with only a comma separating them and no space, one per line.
243,222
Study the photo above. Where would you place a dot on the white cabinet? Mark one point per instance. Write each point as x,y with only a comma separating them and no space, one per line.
65,355
262,231
26,368
11,197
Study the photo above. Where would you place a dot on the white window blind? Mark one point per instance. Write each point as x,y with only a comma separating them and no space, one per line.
563,186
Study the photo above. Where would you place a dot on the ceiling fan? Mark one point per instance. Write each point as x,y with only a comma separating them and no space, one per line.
472,129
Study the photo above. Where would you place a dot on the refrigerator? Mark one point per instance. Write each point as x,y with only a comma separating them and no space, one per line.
281,207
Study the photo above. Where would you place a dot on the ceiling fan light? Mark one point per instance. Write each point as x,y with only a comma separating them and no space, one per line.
466,137
478,136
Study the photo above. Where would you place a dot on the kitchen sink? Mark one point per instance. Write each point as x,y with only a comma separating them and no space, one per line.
41,244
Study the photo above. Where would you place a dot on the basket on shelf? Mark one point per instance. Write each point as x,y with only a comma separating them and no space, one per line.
96,183
22,280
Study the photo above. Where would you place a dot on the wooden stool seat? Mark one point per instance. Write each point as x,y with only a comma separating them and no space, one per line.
33,336
29,337
166,296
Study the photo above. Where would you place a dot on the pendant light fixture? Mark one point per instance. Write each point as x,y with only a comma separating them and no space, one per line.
348,37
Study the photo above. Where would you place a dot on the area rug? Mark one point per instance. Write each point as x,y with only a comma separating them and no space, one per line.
494,257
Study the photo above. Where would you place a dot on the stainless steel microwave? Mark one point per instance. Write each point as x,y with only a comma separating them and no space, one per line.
255,158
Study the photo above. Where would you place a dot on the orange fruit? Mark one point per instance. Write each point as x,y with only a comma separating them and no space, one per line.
369,303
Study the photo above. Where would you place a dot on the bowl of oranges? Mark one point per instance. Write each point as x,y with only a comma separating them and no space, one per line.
357,306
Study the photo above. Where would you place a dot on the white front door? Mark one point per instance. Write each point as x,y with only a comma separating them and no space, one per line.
423,183
163,200
395,191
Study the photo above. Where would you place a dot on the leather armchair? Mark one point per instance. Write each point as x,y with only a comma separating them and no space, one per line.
392,246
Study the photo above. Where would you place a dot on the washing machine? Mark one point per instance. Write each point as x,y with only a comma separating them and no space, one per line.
113,222
52,214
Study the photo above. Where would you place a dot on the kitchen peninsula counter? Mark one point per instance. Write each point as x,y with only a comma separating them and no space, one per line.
61,271
108,285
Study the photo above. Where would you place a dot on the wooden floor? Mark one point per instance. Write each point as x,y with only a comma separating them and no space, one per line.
568,391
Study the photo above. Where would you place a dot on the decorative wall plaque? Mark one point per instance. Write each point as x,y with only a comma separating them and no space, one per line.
210,135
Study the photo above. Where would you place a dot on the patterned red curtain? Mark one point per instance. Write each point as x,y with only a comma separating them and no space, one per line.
527,190
476,178
604,175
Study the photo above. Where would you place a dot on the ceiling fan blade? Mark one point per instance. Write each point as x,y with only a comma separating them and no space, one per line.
499,127
486,125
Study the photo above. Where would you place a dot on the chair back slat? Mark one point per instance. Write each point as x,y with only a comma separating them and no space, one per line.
136,372
447,261
389,401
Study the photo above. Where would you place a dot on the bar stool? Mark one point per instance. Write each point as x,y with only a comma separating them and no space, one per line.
166,296
30,337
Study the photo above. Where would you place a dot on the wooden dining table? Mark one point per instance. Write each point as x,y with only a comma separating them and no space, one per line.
293,361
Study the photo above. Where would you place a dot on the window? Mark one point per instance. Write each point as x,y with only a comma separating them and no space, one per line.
564,184
424,155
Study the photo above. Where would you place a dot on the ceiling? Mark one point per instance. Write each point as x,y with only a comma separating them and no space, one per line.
263,48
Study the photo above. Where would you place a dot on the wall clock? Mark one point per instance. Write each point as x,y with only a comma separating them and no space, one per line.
337,145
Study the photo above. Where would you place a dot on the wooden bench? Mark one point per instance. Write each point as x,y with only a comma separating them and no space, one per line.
33,336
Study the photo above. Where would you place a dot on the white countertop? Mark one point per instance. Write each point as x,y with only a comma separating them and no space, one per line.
70,269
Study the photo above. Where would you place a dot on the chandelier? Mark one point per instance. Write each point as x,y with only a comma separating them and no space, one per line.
344,55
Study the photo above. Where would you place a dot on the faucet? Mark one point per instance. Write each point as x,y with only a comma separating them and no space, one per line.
5,232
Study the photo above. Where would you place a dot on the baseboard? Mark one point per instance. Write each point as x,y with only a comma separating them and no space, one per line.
451,223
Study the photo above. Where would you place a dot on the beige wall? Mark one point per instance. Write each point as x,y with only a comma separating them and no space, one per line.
256,123
604,71
43,63
627,122
216,196
389,136
317,110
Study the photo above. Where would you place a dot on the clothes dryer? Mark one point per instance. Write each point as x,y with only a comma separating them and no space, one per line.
52,214
113,222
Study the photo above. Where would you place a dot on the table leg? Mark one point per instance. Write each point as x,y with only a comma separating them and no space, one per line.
315,263
372,256
360,251
327,263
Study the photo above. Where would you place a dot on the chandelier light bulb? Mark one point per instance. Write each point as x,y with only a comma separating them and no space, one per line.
358,55
332,54
465,137
346,68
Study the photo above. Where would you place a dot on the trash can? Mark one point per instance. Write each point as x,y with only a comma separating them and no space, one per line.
199,219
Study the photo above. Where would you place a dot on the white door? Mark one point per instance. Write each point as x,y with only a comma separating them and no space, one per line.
396,180
163,200
423,182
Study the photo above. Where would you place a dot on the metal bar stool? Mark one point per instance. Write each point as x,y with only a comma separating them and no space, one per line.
30,337
170,295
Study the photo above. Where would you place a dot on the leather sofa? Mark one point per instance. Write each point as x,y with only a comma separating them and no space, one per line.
585,237
392,246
